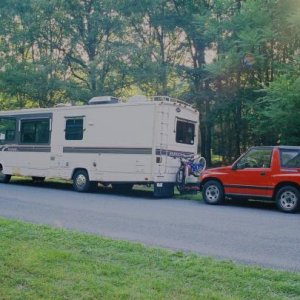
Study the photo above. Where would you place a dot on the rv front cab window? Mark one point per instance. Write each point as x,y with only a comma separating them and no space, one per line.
7,130
185,132
35,131
74,129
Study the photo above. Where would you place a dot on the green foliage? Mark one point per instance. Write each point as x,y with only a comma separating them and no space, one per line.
68,51
266,31
282,109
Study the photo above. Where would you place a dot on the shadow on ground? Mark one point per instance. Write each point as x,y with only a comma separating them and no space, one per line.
143,192
254,204
67,186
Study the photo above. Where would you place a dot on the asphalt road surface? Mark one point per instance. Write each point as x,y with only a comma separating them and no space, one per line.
249,233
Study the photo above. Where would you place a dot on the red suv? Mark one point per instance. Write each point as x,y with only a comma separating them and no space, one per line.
269,173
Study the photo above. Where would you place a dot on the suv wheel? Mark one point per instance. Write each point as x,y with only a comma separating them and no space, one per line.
288,199
81,181
213,192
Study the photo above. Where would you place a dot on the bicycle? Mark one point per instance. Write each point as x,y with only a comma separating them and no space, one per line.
189,167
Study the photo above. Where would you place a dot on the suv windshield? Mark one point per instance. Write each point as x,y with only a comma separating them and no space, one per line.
256,158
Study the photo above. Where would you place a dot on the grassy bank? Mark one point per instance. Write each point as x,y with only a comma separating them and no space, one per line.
39,262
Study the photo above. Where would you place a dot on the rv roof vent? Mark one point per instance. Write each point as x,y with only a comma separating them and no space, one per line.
137,99
63,105
103,100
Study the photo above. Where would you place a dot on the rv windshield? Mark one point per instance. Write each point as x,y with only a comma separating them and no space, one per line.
185,132
7,130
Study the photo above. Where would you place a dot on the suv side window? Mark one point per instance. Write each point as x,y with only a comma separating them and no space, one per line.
290,158
256,158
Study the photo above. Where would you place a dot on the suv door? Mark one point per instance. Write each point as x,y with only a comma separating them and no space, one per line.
251,174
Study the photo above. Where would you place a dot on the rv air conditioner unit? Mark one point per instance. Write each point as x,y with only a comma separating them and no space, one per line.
103,100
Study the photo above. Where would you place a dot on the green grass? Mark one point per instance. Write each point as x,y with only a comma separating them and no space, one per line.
39,262
189,196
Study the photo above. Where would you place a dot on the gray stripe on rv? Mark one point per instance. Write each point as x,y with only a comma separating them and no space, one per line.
125,151
25,149
107,150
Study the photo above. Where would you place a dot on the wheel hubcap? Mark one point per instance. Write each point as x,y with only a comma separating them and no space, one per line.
212,193
80,181
288,200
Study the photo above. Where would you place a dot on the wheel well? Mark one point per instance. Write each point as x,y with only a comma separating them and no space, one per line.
79,169
285,183
211,178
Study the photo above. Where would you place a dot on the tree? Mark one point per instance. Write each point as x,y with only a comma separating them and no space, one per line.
156,48
68,51
31,69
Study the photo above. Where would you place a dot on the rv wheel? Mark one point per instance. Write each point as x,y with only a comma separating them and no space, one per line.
180,181
122,188
4,178
36,179
81,182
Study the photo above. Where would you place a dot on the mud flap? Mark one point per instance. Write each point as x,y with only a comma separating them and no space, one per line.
163,189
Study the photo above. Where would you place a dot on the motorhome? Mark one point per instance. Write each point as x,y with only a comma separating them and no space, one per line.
107,141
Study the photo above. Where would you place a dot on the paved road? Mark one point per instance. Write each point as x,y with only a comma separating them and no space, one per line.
252,233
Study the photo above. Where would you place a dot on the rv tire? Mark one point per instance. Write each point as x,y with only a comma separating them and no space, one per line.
36,179
81,181
122,188
4,178
180,181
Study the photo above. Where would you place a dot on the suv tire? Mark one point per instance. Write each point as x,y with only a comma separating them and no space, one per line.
213,192
288,199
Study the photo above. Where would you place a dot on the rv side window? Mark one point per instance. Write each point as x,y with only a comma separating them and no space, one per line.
7,130
35,131
74,129
185,132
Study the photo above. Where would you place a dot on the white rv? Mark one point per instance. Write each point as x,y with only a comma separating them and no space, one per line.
107,141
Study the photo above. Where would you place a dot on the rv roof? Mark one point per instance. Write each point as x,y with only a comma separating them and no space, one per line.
151,101
169,99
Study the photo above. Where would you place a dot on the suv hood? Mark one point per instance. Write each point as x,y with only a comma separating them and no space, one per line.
217,170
